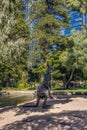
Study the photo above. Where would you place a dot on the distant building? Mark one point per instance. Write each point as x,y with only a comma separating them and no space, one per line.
77,21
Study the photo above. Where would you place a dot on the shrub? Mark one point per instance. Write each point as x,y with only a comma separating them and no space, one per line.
85,83
0,88
57,87
23,86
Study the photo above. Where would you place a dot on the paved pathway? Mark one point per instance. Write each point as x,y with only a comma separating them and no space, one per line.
66,114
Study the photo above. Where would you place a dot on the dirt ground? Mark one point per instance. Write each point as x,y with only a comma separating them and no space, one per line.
66,113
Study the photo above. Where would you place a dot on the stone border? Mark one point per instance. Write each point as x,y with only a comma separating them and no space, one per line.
13,92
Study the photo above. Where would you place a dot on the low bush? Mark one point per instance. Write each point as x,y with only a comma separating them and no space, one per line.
23,86
85,83
0,88
57,87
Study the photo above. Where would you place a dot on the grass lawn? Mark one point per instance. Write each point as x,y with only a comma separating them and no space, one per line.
54,90
72,91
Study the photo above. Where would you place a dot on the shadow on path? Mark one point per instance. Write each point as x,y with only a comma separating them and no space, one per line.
27,106
67,120
22,109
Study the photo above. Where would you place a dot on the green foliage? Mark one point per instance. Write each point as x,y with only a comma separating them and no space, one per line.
46,32
14,31
77,55
86,84
79,5
14,42
56,87
0,88
14,69
34,75
72,91
68,63
68,60
23,86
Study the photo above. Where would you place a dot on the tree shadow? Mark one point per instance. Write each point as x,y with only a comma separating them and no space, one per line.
25,106
60,99
66,120
28,107
2,110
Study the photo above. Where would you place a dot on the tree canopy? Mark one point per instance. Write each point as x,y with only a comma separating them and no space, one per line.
65,54
79,5
14,41
46,29
43,32
14,30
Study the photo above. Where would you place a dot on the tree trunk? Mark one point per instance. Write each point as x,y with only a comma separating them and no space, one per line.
7,83
66,82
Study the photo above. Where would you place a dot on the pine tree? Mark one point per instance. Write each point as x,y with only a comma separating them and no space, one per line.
46,32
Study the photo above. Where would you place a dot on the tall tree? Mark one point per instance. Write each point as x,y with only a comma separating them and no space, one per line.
14,30
76,57
47,18
14,40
